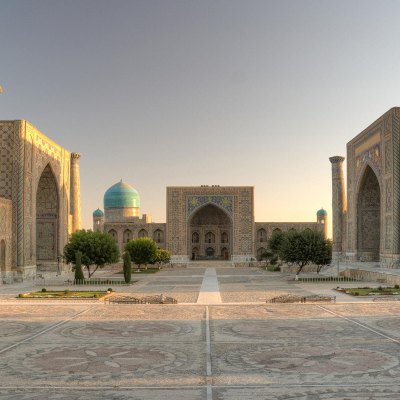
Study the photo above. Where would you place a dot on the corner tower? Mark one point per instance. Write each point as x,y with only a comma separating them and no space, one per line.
98,220
338,204
322,221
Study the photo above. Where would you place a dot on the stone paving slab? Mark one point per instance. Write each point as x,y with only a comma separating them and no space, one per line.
96,364
104,394
350,392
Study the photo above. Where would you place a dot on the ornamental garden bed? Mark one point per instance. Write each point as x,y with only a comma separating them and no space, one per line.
368,291
66,294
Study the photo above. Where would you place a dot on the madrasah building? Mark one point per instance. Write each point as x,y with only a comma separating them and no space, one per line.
202,222
40,207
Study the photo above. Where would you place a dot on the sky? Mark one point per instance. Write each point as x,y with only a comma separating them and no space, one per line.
186,93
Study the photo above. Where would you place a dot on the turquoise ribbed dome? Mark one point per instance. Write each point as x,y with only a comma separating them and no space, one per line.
98,213
121,195
322,212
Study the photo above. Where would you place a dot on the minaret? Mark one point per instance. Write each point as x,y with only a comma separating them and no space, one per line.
338,202
75,202
322,221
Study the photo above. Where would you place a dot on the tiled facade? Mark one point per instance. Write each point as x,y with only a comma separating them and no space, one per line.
35,184
367,226
204,222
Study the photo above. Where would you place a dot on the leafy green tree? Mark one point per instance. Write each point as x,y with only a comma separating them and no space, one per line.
143,251
275,244
269,257
163,257
79,277
127,267
324,255
97,248
301,247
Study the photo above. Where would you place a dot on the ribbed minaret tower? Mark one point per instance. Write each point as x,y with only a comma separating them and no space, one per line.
338,203
75,202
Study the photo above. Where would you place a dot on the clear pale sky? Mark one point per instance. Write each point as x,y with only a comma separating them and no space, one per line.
176,93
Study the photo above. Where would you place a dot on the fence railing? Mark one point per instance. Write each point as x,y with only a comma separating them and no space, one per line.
78,282
329,279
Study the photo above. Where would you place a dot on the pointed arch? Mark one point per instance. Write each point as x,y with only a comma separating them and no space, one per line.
368,215
47,216
127,235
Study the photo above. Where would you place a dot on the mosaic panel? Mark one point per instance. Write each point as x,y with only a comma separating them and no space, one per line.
6,159
194,202
371,155
46,234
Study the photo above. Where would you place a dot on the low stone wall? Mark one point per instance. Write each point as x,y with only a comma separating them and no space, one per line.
372,276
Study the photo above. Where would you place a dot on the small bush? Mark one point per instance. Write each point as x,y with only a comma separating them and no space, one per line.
44,290
96,296
66,291
356,294
21,295
109,290
277,268
380,288
396,286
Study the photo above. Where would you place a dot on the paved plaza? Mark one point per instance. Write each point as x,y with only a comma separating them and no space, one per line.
222,341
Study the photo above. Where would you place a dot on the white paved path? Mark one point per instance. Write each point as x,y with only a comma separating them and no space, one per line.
209,291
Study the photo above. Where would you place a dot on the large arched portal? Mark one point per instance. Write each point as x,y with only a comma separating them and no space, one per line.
208,225
47,218
369,216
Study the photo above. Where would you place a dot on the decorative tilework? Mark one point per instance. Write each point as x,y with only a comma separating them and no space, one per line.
194,202
371,155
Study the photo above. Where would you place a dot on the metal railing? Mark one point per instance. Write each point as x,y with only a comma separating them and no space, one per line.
79,282
321,279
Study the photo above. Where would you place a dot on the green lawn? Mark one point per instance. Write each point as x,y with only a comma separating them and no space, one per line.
142,271
271,268
62,294
366,292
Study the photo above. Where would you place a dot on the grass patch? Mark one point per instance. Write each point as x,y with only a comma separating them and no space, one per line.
365,291
272,268
64,295
105,282
142,271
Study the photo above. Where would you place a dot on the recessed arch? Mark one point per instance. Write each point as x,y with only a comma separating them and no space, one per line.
368,215
158,236
114,234
3,255
143,233
210,226
47,216
127,236
261,235
260,251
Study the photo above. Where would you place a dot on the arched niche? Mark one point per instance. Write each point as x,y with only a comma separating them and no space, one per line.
369,216
47,217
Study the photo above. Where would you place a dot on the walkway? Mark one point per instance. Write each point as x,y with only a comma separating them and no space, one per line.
209,291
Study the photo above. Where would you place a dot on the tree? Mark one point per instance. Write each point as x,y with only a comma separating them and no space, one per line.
79,277
269,257
324,255
143,251
97,248
301,247
127,267
275,243
163,257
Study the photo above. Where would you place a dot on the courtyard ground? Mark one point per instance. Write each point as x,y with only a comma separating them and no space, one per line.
222,341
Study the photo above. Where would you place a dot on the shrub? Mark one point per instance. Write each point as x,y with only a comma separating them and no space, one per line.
66,291
109,290
44,290
380,288
396,286
356,294
21,295
277,268
96,296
